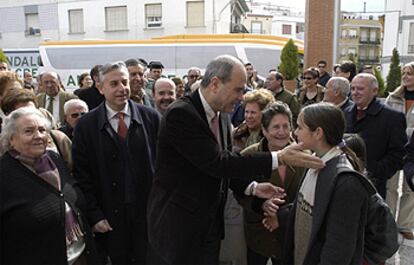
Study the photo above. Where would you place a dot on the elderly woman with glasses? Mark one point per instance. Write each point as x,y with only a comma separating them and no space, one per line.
311,92
74,109
41,207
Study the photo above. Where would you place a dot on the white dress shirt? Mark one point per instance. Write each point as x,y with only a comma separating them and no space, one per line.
250,190
113,119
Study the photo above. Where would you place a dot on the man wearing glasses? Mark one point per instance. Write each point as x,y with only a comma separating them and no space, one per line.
74,109
193,74
324,76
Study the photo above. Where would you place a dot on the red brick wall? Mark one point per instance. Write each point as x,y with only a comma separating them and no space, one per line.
319,32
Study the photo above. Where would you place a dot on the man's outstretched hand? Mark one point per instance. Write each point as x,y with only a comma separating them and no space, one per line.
293,155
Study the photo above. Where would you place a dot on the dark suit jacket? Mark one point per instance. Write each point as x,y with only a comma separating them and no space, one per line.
191,176
32,223
91,96
63,97
339,218
349,104
383,130
99,166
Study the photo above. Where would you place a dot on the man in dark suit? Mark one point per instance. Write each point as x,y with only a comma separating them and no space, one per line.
114,154
91,95
195,167
337,91
381,127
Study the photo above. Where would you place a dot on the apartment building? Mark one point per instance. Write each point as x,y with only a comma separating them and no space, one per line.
360,35
27,23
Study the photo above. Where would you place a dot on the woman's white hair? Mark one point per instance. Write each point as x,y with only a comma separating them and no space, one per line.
9,125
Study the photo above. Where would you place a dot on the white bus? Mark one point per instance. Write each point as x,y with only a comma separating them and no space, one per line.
177,53
23,60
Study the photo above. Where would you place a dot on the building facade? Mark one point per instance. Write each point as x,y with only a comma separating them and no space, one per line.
272,19
27,23
361,36
258,23
398,32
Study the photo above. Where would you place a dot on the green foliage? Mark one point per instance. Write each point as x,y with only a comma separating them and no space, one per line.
394,75
3,57
289,61
381,84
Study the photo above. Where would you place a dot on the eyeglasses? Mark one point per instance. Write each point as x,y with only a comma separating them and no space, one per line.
308,78
77,114
193,76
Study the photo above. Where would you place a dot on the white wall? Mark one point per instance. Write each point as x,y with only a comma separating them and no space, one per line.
278,22
397,10
173,19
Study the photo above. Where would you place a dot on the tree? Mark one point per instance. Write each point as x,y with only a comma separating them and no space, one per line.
381,85
394,75
289,61
3,57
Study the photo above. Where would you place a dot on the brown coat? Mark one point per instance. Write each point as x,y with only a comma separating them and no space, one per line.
258,238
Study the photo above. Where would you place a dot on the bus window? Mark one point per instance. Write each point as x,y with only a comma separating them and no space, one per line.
87,57
263,59
200,56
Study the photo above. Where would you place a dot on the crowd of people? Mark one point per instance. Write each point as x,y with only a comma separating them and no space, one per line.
219,166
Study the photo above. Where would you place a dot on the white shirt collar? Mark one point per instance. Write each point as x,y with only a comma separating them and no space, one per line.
110,113
209,111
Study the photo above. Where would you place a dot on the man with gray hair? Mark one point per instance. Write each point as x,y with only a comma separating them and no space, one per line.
381,127
337,91
114,153
74,109
195,167
137,81
193,74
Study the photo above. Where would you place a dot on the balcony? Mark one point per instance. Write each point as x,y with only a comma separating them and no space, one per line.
370,41
349,37
369,60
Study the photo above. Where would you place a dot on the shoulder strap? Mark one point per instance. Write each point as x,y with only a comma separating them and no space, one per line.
369,186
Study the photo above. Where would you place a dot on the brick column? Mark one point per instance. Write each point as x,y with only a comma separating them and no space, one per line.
320,31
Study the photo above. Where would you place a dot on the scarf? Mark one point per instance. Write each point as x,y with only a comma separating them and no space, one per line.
46,169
